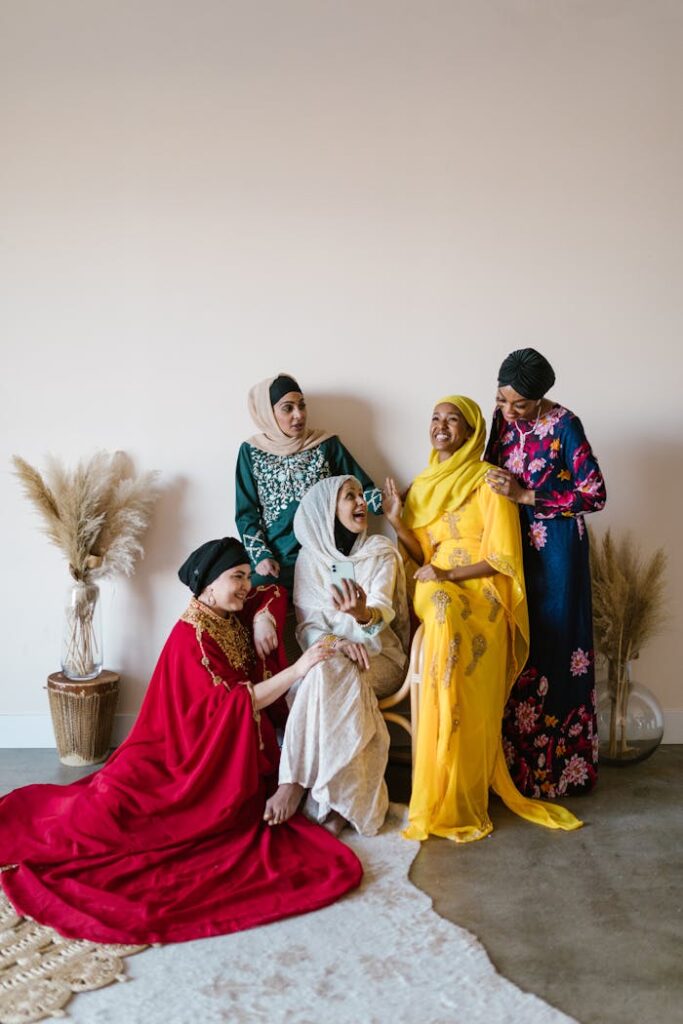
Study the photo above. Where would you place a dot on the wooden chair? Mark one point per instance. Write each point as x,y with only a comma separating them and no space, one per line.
410,687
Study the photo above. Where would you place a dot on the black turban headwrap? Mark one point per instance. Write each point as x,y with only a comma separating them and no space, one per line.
528,372
208,562
281,386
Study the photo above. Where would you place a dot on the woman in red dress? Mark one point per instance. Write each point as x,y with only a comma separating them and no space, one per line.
167,841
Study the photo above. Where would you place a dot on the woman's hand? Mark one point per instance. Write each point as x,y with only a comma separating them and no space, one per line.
391,501
265,634
351,599
318,652
354,652
503,482
431,574
268,567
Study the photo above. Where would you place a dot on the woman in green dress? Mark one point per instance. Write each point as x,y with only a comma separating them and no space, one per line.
275,468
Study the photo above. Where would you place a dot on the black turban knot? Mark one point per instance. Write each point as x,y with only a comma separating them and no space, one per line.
281,386
528,372
210,560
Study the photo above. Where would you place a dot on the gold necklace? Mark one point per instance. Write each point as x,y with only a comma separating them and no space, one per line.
229,633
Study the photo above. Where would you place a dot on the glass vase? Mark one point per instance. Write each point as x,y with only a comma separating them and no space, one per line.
82,636
630,719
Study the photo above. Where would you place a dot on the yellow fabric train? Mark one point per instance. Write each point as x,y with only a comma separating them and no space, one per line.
475,645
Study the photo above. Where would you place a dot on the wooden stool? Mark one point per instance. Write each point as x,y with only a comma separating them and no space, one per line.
83,716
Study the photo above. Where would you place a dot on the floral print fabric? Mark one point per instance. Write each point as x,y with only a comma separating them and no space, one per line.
549,728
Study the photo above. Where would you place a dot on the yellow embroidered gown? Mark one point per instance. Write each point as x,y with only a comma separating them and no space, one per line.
475,645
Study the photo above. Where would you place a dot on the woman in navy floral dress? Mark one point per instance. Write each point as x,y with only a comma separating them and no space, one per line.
548,468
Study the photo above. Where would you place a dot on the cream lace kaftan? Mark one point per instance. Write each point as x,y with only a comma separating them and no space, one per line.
336,742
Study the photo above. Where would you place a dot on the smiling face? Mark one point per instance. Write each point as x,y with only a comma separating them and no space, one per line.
448,430
514,406
229,590
290,413
352,509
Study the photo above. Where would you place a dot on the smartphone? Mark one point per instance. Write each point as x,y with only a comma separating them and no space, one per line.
341,571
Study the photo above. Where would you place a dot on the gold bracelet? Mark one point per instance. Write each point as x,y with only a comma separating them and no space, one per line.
375,617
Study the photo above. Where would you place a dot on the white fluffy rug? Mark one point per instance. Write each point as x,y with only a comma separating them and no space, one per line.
379,956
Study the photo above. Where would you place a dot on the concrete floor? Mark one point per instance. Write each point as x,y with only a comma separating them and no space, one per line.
591,921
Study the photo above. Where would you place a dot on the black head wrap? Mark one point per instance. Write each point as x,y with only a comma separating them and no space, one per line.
281,386
528,372
208,562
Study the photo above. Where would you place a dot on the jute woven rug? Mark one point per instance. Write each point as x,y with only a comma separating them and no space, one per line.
379,956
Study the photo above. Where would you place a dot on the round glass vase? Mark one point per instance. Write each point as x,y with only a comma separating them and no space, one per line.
82,636
630,719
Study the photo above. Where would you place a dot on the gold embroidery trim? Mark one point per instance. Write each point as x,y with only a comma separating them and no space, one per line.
254,710
433,670
441,601
229,633
479,646
492,597
459,556
235,643
451,660
466,606
453,518
503,565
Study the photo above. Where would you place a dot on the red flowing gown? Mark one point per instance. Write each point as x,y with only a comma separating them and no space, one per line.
166,841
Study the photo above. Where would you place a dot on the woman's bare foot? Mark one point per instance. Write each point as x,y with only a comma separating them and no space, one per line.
283,803
334,823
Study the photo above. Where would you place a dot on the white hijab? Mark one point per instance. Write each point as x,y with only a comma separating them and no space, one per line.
314,529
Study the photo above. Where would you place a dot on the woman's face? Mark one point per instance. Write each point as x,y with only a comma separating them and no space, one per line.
352,509
514,406
230,589
448,430
290,413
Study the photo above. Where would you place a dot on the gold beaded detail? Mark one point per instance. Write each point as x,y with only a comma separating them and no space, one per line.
235,643
479,646
229,633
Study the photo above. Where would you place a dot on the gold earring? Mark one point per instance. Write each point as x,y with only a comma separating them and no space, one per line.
210,598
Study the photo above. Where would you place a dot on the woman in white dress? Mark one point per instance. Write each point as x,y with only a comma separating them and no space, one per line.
336,742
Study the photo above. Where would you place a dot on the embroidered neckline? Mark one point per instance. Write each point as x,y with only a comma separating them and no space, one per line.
235,642
229,633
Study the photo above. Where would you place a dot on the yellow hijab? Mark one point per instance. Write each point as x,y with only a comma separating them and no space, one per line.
443,486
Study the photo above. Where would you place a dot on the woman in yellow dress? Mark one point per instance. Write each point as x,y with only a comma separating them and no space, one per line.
470,596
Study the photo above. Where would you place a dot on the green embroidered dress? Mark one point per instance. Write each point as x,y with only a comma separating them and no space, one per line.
268,489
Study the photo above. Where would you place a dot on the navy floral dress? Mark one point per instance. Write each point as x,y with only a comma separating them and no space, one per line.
549,727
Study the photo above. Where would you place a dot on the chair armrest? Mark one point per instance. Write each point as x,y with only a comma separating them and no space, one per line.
413,673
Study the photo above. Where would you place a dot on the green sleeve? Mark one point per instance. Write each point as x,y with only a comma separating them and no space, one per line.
342,463
248,515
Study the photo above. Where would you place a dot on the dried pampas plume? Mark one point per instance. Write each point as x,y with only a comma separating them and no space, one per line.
95,514
628,596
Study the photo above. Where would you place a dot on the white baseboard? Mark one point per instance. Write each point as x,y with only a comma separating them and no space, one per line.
36,730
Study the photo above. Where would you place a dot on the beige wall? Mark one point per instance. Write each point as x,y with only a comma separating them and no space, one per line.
381,197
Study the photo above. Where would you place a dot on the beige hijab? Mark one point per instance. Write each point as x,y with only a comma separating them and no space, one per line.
272,439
